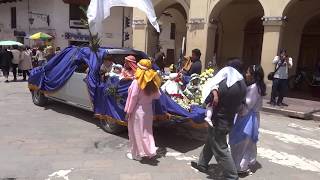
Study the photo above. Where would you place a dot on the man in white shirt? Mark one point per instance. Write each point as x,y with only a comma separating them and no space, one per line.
106,67
280,81
15,61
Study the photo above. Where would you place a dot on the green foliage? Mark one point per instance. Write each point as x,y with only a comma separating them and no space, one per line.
95,41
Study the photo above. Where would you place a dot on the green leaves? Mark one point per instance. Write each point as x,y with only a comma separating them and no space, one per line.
94,39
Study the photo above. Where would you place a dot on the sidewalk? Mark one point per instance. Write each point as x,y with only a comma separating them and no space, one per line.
298,108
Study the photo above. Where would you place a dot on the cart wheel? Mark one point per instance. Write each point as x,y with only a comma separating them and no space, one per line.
38,98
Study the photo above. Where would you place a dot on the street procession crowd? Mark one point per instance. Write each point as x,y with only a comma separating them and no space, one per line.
233,103
21,59
233,100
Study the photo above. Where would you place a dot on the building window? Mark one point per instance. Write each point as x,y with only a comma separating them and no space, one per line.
173,31
79,43
13,17
75,16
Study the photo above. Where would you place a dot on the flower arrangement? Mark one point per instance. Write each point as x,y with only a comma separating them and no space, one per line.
183,102
192,96
207,74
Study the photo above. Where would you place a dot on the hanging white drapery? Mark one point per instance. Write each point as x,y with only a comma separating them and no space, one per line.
99,10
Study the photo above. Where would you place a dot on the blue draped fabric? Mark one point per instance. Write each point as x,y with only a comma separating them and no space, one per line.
54,74
155,67
245,127
109,97
186,79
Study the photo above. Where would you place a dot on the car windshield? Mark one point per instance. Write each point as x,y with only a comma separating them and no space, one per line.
119,58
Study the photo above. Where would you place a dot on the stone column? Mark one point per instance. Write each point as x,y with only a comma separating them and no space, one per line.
139,30
201,35
271,42
197,29
211,42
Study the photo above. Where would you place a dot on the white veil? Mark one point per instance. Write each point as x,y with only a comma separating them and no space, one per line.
229,73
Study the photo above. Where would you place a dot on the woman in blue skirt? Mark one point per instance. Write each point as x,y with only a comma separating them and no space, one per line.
244,135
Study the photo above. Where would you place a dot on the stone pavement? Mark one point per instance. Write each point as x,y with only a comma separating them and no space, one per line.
63,142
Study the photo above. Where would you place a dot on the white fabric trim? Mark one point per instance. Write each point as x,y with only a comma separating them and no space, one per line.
142,67
229,73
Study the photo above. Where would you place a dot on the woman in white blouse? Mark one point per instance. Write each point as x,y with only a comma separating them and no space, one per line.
40,56
244,135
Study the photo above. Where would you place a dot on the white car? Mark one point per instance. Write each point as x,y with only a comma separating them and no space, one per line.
75,92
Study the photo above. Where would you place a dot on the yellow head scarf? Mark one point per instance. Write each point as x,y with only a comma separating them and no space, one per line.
145,74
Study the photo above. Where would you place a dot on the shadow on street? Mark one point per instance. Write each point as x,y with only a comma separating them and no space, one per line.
165,137
215,171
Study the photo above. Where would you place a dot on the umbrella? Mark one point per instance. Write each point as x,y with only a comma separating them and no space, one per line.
40,35
10,43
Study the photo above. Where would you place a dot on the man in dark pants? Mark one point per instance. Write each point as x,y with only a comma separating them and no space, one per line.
196,66
15,61
160,59
228,101
5,62
280,81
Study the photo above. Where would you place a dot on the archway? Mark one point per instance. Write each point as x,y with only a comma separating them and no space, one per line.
300,15
304,24
238,31
173,15
310,47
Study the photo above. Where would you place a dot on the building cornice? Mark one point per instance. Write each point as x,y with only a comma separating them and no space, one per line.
274,20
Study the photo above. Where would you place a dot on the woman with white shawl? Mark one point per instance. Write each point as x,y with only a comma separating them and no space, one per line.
244,135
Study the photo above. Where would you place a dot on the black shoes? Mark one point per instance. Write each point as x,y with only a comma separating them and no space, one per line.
278,104
243,174
161,152
282,104
272,103
200,168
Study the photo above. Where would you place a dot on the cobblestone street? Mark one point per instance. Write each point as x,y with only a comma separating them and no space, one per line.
63,142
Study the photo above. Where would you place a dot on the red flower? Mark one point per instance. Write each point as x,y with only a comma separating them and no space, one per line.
177,96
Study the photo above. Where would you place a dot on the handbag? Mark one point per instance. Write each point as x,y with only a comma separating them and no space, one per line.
271,74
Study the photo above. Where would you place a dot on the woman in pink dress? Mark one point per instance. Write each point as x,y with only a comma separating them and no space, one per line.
143,90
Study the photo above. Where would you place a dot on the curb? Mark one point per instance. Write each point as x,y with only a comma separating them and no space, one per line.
291,113
316,117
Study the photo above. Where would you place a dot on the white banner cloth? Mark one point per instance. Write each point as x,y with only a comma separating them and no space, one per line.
99,10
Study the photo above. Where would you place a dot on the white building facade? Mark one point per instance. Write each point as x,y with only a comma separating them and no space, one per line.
61,19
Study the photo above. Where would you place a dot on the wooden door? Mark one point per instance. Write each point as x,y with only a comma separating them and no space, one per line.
253,39
309,51
170,57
